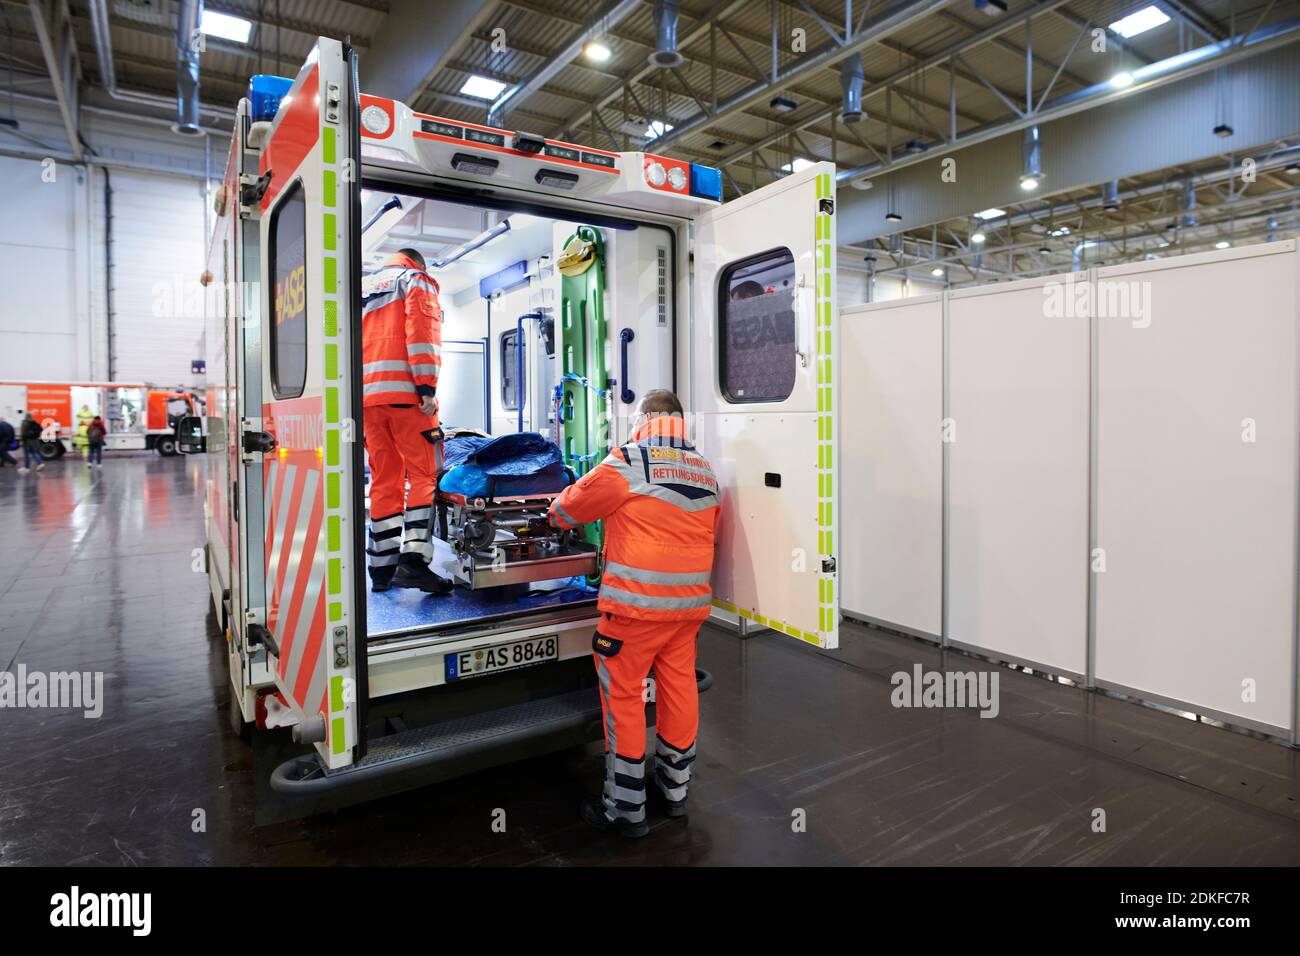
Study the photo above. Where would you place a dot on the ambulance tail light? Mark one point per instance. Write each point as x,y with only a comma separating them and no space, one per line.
265,93
706,182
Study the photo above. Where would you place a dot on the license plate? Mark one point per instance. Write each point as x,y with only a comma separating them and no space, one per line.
503,657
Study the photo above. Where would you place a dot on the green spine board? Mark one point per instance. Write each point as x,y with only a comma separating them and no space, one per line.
585,436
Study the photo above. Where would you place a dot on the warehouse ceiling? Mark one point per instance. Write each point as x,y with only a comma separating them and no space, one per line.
759,88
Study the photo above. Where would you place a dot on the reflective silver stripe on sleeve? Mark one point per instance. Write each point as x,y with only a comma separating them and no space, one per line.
425,368
370,368
386,524
423,348
564,515
655,577
655,602
388,385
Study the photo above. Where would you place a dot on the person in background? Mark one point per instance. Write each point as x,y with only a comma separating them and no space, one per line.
96,432
6,439
401,333
658,497
30,434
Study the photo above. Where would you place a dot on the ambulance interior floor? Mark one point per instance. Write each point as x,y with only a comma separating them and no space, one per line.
97,575
403,610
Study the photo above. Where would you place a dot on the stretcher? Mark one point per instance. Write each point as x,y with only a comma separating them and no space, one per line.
492,501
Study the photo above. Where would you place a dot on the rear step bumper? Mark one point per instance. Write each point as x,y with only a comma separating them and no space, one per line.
463,745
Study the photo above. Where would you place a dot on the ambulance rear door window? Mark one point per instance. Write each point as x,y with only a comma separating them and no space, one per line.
288,258
757,328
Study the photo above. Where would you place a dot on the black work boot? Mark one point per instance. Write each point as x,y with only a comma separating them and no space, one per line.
593,814
414,572
673,809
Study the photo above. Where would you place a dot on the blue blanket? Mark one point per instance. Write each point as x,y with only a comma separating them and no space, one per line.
515,465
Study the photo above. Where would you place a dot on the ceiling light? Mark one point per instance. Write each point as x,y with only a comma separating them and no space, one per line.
1222,244
1223,131
657,129
977,237
1121,80
1148,18
797,165
1292,169
1059,231
595,51
1044,251
991,213
1028,182
482,87
937,271
780,104
225,26
893,217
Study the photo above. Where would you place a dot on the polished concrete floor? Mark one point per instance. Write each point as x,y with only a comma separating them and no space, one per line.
96,574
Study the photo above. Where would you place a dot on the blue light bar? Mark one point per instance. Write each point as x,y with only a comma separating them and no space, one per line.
706,182
265,92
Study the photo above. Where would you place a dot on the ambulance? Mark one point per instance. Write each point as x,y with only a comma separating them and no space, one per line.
572,280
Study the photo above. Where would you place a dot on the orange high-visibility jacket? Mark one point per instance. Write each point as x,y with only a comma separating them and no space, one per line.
659,499
401,332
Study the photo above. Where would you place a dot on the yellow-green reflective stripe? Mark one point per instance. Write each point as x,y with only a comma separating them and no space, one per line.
335,576
336,611
331,317
331,228
332,448
334,532
328,181
332,405
331,276
331,358
336,693
338,736
327,144
332,490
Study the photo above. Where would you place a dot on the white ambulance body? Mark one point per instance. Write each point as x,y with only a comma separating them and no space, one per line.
400,688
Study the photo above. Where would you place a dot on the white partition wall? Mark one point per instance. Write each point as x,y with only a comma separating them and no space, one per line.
1018,377
1197,483
891,463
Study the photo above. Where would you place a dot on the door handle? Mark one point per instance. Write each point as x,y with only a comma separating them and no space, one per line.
624,337
255,441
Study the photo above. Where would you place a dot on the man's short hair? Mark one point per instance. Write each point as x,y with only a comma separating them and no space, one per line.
415,256
661,401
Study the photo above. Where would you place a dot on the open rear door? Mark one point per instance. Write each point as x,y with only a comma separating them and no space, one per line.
309,429
763,369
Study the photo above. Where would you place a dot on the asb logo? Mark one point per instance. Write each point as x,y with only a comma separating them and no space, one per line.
664,453
290,299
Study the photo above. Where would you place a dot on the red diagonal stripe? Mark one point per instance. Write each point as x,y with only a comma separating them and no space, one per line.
290,526
312,651
309,549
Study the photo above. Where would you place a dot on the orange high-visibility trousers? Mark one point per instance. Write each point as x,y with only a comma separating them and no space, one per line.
403,443
625,651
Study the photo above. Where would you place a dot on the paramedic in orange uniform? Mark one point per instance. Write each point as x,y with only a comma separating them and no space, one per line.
658,497
401,329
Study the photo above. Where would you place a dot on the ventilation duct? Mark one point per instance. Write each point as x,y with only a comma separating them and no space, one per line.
1189,204
188,17
665,53
1110,196
851,82
1033,153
